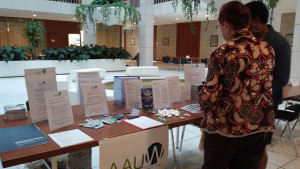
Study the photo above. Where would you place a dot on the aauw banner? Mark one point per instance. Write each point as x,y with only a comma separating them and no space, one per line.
147,149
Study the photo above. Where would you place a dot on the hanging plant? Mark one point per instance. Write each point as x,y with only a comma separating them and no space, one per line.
271,5
87,13
32,32
191,8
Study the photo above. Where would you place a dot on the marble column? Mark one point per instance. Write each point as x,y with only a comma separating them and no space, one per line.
295,68
90,33
146,32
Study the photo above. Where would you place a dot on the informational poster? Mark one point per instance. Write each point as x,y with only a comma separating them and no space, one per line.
87,78
133,94
161,98
147,149
119,89
59,109
174,89
193,74
94,100
38,82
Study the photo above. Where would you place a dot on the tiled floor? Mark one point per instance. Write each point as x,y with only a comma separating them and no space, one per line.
281,154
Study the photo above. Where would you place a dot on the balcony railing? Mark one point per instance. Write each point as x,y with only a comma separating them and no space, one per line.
69,1
161,1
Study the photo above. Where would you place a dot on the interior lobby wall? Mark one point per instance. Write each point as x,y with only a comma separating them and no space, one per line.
166,49
205,38
132,41
108,35
57,32
287,24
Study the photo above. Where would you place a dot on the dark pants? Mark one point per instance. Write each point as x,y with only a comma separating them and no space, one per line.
236,153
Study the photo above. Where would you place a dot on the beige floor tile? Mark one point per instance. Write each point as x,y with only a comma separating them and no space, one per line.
271,166
295,164
279,159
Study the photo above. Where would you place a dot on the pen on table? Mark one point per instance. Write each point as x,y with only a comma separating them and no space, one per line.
160,118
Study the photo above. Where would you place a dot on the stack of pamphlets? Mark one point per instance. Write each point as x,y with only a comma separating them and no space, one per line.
14,112
192,108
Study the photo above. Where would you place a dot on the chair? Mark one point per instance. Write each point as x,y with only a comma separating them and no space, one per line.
176,62
291,113
182,62
166,61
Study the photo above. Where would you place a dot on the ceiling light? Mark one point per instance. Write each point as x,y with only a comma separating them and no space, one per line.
7,29
34,15
74,19
177,19
134,23
153,21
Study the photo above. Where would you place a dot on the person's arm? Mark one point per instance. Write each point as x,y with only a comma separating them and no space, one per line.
281,71
210,93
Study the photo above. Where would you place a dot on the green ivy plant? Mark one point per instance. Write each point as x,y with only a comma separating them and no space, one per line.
84,13
191,8
32,31
10,53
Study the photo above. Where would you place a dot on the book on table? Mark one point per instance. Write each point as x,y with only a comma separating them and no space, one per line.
18,137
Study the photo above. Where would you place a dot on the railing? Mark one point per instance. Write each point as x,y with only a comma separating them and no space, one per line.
69,1
161,1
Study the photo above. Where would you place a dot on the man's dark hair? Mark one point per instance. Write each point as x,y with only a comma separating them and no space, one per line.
259,9
235,13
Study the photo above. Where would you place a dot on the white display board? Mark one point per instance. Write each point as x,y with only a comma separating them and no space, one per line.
144,149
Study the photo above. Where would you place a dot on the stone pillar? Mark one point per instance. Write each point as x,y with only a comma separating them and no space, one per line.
146,32
295,69
90,33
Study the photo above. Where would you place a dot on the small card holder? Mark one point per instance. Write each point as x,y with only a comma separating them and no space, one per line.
14,112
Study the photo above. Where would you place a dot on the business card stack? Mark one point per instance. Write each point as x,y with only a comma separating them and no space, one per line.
14,112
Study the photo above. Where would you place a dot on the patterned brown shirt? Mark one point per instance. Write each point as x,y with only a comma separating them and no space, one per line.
237,96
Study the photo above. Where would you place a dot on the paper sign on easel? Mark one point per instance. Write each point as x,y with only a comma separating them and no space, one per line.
59,109
161,98
193,74
174,89
133,94
39,82
94,100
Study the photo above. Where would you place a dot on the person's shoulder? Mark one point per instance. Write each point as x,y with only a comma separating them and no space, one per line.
276,38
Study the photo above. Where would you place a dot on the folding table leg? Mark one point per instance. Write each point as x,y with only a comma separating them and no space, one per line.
54,162
177,138
173,145
182,136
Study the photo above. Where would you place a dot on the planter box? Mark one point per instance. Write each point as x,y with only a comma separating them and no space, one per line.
16,68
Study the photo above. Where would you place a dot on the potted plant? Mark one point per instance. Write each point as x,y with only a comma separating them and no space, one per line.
102,10
32,32
9,53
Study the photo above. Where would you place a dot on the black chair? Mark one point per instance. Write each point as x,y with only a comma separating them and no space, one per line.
291,113
166,61
182,62
176,62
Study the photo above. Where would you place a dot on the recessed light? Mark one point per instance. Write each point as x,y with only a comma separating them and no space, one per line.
153,21
177,19
7,29
34,15
74,19
134,23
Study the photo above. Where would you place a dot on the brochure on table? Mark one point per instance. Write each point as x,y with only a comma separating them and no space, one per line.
193,74
18,137
59,109
147,100
119,89
133,94
94,100
160,91
87,78
39,82
71,137
143,122
174,89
